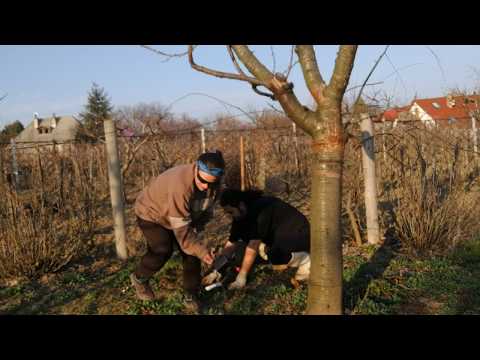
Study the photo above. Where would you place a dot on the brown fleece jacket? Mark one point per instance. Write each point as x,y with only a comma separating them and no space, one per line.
169,200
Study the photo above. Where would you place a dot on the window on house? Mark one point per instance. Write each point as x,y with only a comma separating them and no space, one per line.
436,105
452,120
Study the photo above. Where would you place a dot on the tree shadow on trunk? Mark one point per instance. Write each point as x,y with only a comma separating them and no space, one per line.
356,289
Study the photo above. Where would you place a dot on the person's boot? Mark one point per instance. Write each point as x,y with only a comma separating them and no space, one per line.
262,251
142,288
192,303
301,260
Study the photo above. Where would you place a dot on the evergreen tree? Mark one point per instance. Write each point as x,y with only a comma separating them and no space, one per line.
97,109
11,131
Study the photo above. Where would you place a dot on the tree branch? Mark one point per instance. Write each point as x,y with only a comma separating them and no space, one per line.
342,70
166,55
363,85
130,155
271,96
220,74
234,60
273,58
290,63
278,84
253,65
311,73
371,72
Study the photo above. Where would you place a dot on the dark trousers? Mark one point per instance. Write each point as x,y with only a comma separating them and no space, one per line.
160,242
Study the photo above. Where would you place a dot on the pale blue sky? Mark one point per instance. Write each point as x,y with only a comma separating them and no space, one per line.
56,79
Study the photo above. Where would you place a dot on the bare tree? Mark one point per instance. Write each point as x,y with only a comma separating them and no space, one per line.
324,125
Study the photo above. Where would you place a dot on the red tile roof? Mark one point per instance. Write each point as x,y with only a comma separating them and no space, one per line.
461,110
392,114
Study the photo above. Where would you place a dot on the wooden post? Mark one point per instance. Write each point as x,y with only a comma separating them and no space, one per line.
14,163
242,165
203,140
295,143
368,161
90,166
261,176
1,166
474,138
116,188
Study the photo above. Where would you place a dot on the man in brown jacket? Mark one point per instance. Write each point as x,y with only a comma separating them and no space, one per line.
173,209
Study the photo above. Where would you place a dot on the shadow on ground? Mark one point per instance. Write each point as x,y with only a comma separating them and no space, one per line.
355,289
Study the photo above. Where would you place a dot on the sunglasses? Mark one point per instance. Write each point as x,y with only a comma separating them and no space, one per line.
203,181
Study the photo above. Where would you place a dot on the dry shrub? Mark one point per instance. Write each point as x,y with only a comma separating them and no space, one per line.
431,188
353,206
44,228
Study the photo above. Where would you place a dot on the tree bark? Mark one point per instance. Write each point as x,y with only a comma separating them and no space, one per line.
325,286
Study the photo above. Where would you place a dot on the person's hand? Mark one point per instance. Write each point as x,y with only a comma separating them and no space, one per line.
208,257
211,278
239,282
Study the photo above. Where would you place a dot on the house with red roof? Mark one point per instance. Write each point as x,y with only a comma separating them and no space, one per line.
457,111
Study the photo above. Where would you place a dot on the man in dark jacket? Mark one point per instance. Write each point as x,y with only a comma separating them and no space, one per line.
269,227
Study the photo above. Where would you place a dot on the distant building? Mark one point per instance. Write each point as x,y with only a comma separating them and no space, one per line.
455,111
54,130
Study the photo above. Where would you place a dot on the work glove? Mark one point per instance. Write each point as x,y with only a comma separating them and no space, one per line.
214,276
239,282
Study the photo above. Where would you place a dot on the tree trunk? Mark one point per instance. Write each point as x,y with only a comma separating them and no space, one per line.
325,287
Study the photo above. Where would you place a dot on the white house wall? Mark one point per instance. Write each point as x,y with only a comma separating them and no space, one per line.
416,110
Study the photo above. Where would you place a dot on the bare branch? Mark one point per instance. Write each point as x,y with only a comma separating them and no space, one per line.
273,57
130,155
357,86
276,110
370,73
254,66
220,74
396,71
342,70
234,60
164,54
3,97
290,64
311,73
223,102
278,84
271,96
438,63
